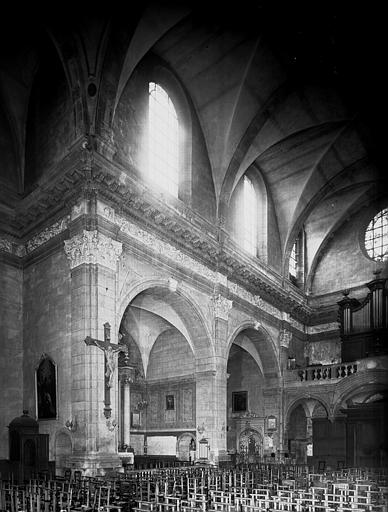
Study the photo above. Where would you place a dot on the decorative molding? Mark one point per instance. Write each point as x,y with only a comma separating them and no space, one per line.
257,325
221,279
36,241
297,325
317,329
163,248
93,247
48,233
246,272
78,209
172,284
111,424
221,306
6,246
255,300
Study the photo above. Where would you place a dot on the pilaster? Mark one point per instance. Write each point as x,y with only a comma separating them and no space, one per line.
212,385
93,260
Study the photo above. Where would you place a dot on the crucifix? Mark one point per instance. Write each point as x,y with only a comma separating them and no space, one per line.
110,350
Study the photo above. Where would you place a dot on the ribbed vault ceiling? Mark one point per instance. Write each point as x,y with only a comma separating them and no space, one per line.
296,91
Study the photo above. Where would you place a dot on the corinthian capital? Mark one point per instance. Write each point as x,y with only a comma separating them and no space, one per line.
92,247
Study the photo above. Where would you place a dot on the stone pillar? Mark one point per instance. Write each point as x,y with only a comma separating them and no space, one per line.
93,261
211,395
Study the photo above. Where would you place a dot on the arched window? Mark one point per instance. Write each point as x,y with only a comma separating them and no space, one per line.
163,140
376,236
249,216
293,264
296,261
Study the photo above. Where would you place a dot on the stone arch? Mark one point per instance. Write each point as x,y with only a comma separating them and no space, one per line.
302,401
368,389
251,442
183,443
268,358
186,308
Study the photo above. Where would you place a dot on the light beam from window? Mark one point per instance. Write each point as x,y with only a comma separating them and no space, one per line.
163,140
249,214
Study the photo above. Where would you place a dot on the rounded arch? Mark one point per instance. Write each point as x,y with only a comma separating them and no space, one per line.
250,441
163,76
302,400
129,125
368,390
186,308
236,221
185,444
268,356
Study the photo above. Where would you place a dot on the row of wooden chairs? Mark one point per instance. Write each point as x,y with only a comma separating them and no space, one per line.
198,489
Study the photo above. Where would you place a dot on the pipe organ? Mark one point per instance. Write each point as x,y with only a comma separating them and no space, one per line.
363,324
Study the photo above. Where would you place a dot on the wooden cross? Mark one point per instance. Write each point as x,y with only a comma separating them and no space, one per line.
110,350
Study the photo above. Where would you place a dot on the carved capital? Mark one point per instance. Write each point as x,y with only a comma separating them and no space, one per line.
221,306
93,247
285,337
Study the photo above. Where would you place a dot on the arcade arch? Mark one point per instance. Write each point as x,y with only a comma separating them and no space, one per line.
167,341
252,366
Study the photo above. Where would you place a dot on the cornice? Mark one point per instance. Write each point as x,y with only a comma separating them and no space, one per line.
139,211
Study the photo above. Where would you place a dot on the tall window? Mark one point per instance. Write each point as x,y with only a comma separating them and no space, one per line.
376,236
293,264
163,140
249,216
296,261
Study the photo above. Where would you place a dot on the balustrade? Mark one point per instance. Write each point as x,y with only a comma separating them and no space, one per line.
326,372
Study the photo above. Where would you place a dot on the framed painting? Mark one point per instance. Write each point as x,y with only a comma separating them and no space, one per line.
46,389
170,402
239,401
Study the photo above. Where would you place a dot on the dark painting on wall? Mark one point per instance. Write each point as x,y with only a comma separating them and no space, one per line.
170,402
239,401
46,389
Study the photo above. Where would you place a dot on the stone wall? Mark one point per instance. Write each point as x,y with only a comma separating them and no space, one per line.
344,263
182,413
171,356
11,360
47,317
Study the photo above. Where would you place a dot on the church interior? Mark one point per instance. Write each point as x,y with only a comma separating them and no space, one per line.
193,254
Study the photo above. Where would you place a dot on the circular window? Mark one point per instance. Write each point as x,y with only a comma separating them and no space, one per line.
376,236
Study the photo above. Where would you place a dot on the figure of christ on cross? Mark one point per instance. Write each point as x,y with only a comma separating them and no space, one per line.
110,350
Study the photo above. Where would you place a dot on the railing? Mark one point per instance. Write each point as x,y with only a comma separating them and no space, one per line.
335,371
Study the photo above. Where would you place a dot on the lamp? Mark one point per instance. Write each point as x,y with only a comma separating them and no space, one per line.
201,429
71,424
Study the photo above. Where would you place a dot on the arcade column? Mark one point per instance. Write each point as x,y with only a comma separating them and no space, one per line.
93,259
211,388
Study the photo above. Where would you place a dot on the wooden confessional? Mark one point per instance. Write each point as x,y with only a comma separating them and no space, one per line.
28,450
